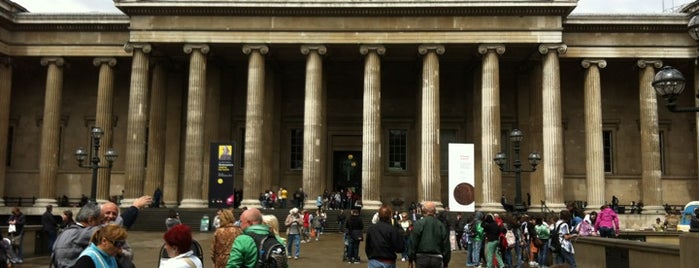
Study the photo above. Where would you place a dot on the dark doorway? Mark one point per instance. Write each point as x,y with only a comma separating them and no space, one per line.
347,170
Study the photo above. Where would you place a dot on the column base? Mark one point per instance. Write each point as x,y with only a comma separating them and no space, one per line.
309,205
42,202
653,210
593,207
490,207
371,204
126,202
250,203
102,201
556,207
2,202
193,203
170,204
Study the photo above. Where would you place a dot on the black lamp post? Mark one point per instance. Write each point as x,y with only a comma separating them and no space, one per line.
516,137
94,164
349,165
669,82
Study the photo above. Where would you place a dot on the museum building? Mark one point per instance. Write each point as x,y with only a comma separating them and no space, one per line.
330,94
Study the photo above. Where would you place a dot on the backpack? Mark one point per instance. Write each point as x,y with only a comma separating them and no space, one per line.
554,240
510,238
466,237
271,253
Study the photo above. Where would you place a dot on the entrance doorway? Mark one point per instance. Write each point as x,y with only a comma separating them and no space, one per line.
347,170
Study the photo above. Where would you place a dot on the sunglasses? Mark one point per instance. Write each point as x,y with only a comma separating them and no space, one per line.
118,243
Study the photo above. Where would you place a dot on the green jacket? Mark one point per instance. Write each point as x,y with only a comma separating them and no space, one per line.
244,249
430,236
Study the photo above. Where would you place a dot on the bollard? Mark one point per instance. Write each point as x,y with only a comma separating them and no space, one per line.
204,226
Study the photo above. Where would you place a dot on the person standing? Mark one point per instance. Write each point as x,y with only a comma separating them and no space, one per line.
244,252
354,231
383,241
492,241
50,227
293,224
567,252
283,193
429,246
459,224
18,219
341,219
223,239
298,198
607,223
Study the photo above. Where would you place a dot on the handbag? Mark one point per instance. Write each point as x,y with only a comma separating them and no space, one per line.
12,228
537,242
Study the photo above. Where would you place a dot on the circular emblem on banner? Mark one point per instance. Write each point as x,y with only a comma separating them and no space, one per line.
463,193
220,181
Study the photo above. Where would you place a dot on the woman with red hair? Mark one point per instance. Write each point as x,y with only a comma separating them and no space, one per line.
178,244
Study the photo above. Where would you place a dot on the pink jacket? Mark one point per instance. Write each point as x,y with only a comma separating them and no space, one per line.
607,218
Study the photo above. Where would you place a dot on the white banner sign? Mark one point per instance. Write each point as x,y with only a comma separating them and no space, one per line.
462,191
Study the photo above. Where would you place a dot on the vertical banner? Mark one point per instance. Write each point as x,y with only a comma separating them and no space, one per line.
221,167
461,177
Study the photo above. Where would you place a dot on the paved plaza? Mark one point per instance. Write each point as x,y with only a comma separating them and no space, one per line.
317,254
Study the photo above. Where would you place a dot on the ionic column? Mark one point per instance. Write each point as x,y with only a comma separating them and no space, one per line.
313,121
136,125
5,94
371,127
254,183
594,149
552,160
194,137
103,119
156,129
490,125
429,185
651,192
173,139
50,131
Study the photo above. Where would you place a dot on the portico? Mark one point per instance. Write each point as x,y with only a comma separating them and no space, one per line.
290,82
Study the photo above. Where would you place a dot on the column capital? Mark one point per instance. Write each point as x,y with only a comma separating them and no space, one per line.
203,48
560,48
484,48
5,61
104,60
423,49
248,48
379,49
305,49
58,61
643,63
144,47
586,63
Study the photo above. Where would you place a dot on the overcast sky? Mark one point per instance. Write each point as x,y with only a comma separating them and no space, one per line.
584,6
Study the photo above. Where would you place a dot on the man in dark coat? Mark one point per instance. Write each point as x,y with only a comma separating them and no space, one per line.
49,226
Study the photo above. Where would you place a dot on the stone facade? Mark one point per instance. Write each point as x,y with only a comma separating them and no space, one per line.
256,73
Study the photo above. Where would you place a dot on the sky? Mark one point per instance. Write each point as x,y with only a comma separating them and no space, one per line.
584,6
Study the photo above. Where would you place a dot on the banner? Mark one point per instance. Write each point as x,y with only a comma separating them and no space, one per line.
221,171
462,191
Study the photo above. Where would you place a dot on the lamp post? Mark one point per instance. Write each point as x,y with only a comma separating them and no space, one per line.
349,164
500,159
669,82
94,163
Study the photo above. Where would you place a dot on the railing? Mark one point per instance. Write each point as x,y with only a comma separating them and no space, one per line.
17,201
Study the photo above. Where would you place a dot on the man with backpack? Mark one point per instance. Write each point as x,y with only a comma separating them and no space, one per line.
257,246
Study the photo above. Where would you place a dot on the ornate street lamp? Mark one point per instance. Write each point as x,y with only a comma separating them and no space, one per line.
500,159
94,164
349,165
669,82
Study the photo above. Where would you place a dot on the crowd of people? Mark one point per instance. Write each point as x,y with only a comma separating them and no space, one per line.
421,236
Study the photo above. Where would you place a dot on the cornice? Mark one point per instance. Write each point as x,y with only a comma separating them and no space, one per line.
668,22
346,8
67,22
